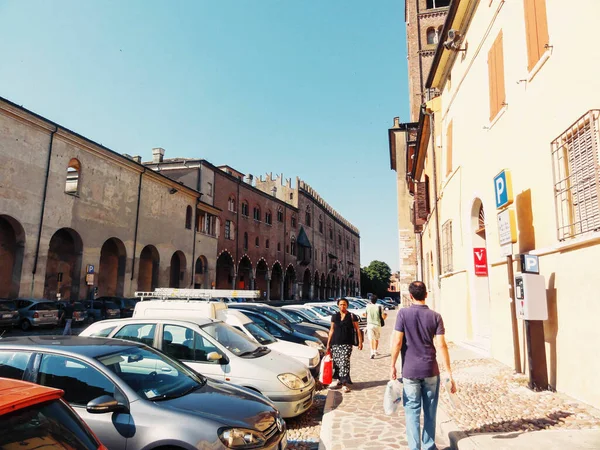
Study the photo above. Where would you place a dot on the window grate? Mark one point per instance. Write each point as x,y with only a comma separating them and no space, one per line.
447,257
576,177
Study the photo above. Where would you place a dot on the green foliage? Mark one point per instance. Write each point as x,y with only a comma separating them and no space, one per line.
375,278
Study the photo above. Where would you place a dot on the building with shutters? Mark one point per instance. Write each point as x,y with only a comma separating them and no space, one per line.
506,76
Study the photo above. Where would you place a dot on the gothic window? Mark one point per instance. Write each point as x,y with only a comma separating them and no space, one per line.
231,204
73,176
245,210
188,217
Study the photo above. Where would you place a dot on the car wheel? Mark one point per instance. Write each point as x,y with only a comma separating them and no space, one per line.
25,325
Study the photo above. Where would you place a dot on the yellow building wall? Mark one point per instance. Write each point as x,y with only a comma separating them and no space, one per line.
540,106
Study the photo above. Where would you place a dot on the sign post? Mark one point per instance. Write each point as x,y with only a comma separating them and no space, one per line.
508,235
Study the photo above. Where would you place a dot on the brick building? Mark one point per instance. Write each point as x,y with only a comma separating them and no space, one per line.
68,204
279,238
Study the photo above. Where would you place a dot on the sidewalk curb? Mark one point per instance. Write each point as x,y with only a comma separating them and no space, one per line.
450,430
325,437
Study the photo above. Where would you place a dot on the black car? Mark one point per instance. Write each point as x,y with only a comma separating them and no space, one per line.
103,308
280,316
9,313
284,332
126,305
80,314
305,315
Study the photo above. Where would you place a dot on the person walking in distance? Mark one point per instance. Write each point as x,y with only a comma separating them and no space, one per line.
341,337
423,330
375,318
67,314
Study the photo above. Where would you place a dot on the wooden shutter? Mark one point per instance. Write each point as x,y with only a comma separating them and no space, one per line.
496,76
536,26
449,149
421,203
492,81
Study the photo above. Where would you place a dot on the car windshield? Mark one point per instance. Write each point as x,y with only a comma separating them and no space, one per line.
322,311
46,306
8,306
310,314
111,305
354,305
262,336
233,340
152,375
78,307
289,317
130,302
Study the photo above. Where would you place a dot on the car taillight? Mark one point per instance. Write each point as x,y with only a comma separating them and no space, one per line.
36,316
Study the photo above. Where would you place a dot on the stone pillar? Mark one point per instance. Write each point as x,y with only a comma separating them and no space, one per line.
282,281
268,287
233,278
311,296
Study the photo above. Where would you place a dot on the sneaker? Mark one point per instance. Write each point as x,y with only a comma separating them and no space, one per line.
345,389
372,355
335,386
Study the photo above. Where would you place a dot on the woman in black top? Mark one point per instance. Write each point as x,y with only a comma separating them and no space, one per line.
341,337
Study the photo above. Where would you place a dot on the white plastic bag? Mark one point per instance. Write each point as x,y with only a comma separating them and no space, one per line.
392,397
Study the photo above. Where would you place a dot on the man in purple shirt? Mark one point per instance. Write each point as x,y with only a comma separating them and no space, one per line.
423,330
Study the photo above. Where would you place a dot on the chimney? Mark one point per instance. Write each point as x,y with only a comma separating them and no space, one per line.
137,159
158,155
396,122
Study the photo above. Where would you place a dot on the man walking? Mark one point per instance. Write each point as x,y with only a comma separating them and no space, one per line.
421,328
68,316
375,317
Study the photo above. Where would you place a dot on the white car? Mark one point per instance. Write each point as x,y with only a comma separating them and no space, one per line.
309,356
221,352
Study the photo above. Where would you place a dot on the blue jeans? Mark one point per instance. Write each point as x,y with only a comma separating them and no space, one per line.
67,329
417,393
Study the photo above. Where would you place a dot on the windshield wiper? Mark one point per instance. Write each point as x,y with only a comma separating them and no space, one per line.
180,394
254,352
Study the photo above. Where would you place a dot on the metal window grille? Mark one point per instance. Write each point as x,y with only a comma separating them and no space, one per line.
576,177
447,258
228,229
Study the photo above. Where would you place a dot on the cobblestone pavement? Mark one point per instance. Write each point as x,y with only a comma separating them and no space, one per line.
358,420
304,430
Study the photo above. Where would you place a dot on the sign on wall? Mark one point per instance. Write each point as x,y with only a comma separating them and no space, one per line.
503,189
507,227
480,260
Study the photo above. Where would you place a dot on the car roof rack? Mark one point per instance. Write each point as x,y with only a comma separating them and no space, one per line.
195,294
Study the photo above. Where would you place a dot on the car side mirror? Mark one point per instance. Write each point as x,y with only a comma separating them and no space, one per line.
214,356
104,404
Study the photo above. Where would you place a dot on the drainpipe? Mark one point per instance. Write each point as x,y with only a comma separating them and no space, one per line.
198,188
435,196
137,222
237,231
39,236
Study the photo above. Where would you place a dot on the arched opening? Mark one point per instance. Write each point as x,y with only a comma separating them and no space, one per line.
63,266
201,273
188,217
306,285
73,177
481,299
288,283
177,270
225,271
316,283
245,280
12,244
111,274
323,287
262,278
149,269
276,277
231,203
432,36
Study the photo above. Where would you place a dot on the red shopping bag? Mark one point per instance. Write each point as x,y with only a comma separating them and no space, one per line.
326,373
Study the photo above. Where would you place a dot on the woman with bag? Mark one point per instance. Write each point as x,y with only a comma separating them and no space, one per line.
342,334
375,320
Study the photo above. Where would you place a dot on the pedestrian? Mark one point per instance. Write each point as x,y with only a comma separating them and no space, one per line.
375,318
67,314
341,338
423,330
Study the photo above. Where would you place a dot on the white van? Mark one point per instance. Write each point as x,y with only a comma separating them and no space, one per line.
216,350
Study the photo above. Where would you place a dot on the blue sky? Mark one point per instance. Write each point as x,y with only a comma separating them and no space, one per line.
304,88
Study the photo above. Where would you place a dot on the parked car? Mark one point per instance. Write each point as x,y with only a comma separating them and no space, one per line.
283,332
103,308
386,304
125,305
215,349
36,313
135,397
80,314
280,316
306,315
322,313
33,416
9,313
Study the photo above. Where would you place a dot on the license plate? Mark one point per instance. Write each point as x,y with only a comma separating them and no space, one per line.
48,315
6,316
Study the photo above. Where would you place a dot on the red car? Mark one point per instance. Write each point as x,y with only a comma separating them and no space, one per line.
35,417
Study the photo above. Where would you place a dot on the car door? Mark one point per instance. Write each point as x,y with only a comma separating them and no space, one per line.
82,383
191,348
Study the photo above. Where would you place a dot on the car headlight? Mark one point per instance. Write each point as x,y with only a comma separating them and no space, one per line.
291,381
322,334
241,438
314,361
314,344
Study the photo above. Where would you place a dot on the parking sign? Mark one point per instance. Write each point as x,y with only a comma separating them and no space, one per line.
503,189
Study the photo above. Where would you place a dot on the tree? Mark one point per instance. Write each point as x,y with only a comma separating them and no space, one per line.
376,278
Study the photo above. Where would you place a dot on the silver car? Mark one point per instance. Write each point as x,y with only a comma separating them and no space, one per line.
36,313
135,397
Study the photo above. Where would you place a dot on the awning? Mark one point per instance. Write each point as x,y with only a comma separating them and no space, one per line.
303,239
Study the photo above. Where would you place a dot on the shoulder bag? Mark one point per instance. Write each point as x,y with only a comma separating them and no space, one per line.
382,322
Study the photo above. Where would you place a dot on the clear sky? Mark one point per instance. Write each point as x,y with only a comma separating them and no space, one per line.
306,88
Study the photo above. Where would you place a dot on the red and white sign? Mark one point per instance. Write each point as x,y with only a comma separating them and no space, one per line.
480,258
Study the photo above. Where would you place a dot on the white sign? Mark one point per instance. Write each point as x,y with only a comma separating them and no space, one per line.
506,249
506,227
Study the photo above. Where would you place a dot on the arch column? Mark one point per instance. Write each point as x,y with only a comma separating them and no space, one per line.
312,291
268,285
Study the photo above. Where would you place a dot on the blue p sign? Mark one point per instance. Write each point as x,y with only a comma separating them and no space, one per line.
503,189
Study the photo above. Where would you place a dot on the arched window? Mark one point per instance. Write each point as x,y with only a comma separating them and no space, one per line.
320,224
432,36
279,246
339,239
293,246
267,243
293,221
73,176
307,216
188,217
280,214
256,213
245,210
330,234
229,230
245,241
231,204
257,241
268,218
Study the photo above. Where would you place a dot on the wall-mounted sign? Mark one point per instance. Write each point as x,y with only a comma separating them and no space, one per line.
90,268
530,264
89,279
480,260
503,189
507,227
